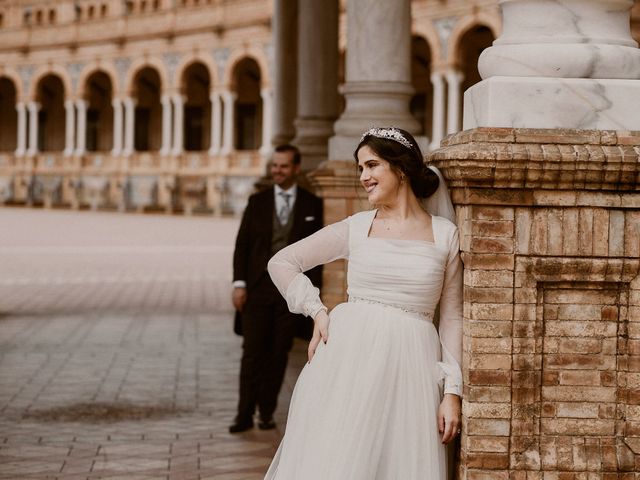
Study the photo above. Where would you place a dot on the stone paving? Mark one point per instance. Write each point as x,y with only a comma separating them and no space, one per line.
117,359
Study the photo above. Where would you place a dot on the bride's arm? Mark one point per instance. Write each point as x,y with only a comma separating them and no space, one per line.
450,328
287,266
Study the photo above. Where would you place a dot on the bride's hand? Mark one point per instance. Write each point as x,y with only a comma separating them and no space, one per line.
320,332
449,417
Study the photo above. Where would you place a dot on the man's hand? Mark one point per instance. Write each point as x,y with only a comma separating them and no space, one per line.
239,298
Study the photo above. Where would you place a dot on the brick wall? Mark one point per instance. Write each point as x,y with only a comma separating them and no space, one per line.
550,235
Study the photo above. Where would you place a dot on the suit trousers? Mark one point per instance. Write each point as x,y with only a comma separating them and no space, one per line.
268,329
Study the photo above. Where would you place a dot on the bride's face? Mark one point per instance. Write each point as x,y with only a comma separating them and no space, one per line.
377,177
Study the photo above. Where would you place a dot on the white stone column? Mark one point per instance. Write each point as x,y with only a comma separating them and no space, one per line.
317,79
579,70
454,81
216,124
33,109
117,126
178,124
267,117
378,84
228,99
165,149
21,146
69,127
438,110
81,138
129,125
285,65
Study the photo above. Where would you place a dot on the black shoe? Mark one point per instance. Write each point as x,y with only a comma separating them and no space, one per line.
267,424
241,426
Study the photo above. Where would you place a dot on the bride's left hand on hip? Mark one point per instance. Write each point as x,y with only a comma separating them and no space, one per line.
449,417
320,332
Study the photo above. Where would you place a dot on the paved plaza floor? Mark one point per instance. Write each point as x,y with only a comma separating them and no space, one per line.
117,357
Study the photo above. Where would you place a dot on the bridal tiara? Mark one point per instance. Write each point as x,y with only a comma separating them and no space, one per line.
391,133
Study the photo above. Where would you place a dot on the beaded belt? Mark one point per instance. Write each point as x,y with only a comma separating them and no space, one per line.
428,316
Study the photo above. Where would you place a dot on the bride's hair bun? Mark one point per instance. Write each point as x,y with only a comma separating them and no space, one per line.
407,160
425,183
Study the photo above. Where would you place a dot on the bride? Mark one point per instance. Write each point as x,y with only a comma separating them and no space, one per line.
381,393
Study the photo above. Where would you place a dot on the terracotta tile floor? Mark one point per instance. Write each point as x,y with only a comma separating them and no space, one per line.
117,359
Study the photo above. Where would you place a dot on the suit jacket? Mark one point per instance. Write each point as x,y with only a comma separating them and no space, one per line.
253,243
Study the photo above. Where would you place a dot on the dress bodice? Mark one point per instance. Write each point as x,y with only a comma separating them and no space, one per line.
403,273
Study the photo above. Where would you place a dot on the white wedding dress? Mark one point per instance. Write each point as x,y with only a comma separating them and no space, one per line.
365,408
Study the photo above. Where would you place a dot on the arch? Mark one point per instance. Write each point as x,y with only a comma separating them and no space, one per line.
427,31
147,91
421,67
98,92
45,70
14,76
8,114
467,23
97,66
472,43
140,64
195,86
205,60
51,116
239,55
246,83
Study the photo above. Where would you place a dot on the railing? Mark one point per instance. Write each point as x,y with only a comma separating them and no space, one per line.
190,182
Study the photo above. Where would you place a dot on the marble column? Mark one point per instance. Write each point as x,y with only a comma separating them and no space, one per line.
378,84
438,110
81,137
317,79
33,109
165,148
117,126
69,125
216,123
129,125
285,80
178,124
577,71
265,148
454,95
228,100
21,146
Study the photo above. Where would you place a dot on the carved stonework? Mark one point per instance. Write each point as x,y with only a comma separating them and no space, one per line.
74,70
444,27
221,56
171,61
122,67
26,74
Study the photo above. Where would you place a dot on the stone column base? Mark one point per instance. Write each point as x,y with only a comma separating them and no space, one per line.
550,236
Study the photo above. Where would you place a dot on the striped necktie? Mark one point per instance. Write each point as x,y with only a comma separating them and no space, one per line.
285,210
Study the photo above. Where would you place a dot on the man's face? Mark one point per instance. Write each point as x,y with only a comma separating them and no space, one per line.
283,169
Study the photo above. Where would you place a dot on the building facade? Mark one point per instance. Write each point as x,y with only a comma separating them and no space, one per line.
163,104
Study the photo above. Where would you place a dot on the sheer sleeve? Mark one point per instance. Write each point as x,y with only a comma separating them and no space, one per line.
287,266
450,328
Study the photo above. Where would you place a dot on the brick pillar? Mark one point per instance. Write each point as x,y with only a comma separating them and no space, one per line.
550,239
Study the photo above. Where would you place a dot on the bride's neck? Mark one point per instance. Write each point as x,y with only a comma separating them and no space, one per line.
406,206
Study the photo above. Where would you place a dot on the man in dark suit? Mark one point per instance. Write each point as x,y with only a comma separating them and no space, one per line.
273,219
